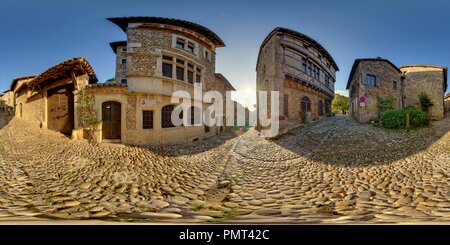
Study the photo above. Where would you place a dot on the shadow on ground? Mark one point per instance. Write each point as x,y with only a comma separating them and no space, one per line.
342,141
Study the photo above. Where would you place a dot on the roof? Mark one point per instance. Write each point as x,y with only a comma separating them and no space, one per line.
17,79
227,83
78,66
357,61
122,22
102,85
313,43
444,69
114,45
447,96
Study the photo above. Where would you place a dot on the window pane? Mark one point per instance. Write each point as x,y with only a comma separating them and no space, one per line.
180,73
180,62
197,79
167,70
167,58
190,76
286,105
191,48
180,43
147,119
166,113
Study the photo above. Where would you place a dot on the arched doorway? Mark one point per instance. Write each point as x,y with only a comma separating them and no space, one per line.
111,120
320,108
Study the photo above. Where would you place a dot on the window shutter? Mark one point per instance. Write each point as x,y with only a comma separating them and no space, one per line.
364,78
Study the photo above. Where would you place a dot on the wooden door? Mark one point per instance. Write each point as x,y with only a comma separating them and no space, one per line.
60,103
320,108
111,120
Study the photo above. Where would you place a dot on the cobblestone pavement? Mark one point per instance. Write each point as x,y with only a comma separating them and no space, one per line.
331,171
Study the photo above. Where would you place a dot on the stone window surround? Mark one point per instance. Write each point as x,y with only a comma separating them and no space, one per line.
323,73
185,66
176,37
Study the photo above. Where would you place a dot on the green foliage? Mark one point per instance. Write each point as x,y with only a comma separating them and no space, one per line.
303,116
384,104
87,115
340,103
396,118
111,80
425,101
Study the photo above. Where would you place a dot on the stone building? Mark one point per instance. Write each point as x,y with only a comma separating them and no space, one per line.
159,57
372,78
6,101
428,79
48,99
301,70
447,102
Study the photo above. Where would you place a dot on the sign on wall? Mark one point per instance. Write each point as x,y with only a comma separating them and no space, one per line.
148,102
362,99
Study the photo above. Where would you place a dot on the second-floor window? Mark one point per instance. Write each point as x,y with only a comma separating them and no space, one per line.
394,85
180,43
371,80
181,69
124,61
185,44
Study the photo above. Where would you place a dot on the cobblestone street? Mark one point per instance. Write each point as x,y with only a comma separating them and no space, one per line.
331,171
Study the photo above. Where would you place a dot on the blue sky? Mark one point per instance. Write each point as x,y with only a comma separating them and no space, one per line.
40,34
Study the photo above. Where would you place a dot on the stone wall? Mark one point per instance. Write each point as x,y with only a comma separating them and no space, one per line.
31,106
121,69
272,72
145,47
385,77
428,80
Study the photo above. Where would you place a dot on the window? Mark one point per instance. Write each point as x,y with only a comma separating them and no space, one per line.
166,116
180,43
180,73
207,55
181,69
306,104
305,46
124,49
394,85
123,81
286,105
124,61
167,70
304,65
190,77
371,80
194,116
191,47
309,68
147,119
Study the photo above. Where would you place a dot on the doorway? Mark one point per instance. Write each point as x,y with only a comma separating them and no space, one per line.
111,118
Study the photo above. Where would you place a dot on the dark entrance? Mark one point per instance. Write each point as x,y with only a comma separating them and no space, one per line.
60,102
111,117
320,108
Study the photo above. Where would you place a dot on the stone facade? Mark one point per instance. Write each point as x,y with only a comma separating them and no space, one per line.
427,79
298,68
388,80
447,102
373,78
152,45
7,100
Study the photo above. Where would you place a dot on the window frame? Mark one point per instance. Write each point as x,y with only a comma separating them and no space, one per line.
374,80
122,61
152,125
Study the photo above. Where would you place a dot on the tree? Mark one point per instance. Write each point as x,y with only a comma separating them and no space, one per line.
340,103
111,80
